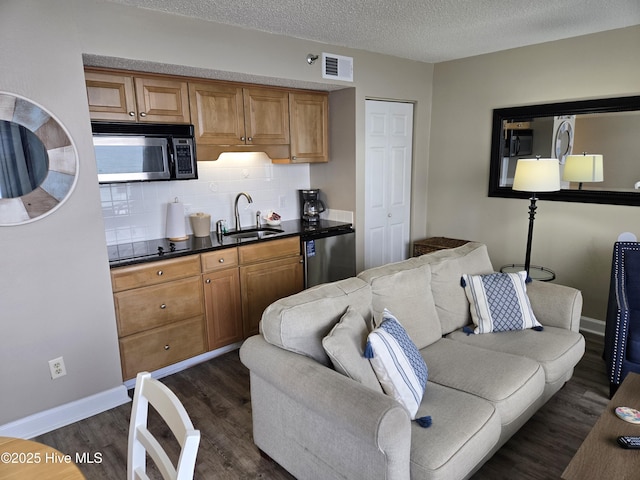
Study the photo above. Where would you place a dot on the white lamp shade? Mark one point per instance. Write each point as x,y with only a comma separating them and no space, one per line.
583,168
537,175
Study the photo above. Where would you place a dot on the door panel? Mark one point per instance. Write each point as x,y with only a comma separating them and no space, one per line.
388,160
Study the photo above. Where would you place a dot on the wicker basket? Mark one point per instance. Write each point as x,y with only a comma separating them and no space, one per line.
433,244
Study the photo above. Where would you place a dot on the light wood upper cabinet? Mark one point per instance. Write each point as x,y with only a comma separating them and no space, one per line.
217,113
225,114
309,127
121,97
266,116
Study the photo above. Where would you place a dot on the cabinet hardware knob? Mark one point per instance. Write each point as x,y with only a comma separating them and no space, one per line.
294,158
250,139
160,273
143,114
163,306
242,138
132,114
208,280
389,215
167,347
221,260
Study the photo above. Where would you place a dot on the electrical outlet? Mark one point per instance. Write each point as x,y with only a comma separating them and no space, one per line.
57,368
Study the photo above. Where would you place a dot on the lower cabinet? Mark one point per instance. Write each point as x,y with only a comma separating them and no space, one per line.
171,310
221,282
162,346
268,271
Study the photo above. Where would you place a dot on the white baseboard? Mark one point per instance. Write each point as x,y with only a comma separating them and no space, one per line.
48,420
592,325
57,417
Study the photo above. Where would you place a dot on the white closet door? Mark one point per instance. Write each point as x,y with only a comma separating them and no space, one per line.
388,159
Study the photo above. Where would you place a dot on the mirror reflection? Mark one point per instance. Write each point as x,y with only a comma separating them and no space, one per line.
606,127
24,162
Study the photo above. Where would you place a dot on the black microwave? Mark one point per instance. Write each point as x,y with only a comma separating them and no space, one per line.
518,143
137,152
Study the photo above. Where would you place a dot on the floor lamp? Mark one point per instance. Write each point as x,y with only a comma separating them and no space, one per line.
535,175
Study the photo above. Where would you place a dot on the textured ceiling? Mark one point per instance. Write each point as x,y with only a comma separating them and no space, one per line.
425,30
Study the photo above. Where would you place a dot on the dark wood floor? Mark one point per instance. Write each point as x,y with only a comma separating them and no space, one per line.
216,395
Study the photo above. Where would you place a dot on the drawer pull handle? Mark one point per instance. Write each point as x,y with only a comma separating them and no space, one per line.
221,260
208,280
160,273
163,306
167,347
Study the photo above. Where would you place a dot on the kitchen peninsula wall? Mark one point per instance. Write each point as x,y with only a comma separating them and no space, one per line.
137,211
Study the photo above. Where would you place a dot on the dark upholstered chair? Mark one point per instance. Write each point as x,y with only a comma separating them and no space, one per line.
622,331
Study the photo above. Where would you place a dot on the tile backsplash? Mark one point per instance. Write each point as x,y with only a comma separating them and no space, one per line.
137,211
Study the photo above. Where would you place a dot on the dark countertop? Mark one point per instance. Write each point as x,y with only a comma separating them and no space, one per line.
163,249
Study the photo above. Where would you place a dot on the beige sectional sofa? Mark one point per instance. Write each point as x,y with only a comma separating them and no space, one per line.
319,411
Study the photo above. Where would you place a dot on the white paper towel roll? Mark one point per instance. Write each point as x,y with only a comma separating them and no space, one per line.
176,228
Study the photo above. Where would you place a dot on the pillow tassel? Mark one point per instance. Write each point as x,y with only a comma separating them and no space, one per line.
424,422
368,351
538,328
529,279
468,330
462,282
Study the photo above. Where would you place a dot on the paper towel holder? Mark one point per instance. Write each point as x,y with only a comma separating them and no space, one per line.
176,230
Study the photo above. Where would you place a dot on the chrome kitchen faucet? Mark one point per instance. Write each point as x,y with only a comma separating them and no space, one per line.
235,206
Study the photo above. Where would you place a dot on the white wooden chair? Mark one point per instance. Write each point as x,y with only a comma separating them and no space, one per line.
150,391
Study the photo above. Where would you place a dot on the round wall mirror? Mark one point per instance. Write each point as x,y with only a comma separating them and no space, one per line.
38,161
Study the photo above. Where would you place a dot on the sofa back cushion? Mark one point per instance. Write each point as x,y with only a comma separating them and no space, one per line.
407,295
449,296
298,323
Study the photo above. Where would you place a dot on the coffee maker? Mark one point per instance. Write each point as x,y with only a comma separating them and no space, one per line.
310,205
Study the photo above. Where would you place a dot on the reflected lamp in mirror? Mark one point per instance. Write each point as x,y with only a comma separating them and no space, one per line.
535,175
583,168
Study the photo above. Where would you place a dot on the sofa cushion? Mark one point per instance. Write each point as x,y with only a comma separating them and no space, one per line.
407,293
558,350
465,428
298,323
450,300
345,347
512,383
499,302
397,363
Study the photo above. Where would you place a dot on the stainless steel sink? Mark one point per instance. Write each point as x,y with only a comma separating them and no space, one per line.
253,232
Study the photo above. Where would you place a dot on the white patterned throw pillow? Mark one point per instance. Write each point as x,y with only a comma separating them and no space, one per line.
397,362
499,302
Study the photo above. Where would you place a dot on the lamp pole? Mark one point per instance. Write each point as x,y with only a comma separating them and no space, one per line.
532,216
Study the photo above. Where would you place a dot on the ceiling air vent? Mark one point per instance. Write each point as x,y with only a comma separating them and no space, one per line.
337,67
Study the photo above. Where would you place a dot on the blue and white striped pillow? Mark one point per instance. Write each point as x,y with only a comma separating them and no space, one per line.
400,368
499,302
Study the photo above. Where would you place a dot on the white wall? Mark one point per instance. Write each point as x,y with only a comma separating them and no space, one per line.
575,240
55,296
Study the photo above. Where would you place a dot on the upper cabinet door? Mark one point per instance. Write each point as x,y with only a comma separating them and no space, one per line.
110,96
266,116
217,113
125,98
161,100
309,114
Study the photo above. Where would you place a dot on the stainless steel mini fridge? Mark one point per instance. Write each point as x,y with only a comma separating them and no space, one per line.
329,255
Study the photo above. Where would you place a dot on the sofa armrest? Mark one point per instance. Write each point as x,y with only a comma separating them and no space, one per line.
318,423
556,305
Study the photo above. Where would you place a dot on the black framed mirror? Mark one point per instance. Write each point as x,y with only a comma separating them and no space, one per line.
609,127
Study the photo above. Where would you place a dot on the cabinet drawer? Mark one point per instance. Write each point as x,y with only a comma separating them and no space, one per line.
143,308
219,260
261,251
154,273
162,346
